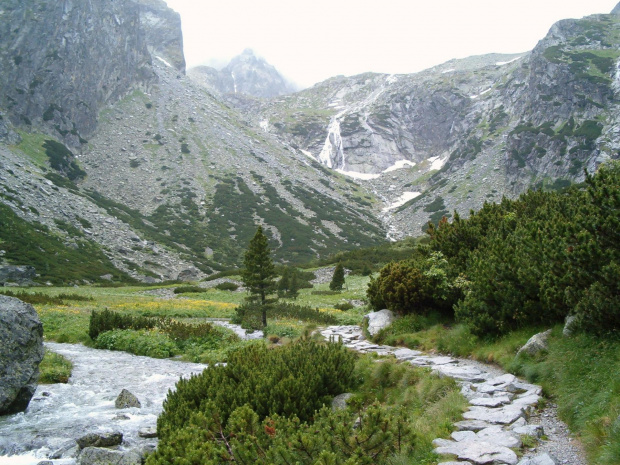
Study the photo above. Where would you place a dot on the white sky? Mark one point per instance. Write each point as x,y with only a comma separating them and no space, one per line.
309,41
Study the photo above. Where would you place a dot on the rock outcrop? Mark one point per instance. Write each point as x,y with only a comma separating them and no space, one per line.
126,400
376,321
21,351
22,275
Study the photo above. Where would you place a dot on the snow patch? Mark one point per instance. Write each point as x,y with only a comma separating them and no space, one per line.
264,125
402,200
308,154
436,163
446,71
164,62
481,93
234,81
356,175
400,164
391,79
502,63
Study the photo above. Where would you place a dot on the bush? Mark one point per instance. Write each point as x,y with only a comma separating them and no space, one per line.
188,289
54,368
150,343
344,306
400,287
227,286
107,320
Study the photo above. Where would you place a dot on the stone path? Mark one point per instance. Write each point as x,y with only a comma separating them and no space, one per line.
500,413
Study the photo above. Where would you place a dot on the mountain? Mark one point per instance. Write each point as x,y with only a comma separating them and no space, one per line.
246,74
114,162
467,131
119,157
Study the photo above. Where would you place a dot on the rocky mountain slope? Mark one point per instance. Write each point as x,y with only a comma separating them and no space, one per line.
109,150
171,181
246,74
466,131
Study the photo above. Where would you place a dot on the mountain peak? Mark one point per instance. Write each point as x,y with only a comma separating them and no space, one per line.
616,10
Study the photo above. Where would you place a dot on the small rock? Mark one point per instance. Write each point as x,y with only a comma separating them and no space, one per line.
340,401
537,343
378,320
569,326
126,400
530,430
148,432
471,425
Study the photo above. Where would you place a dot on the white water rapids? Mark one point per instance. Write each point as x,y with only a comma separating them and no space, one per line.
61,413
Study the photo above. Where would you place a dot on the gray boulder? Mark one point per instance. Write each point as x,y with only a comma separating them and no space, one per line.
109,439
340,401
569,326
544,459
17,274
535,344
99,456
21,351
376,321
126,400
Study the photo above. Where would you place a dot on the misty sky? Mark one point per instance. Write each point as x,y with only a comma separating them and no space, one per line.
309,41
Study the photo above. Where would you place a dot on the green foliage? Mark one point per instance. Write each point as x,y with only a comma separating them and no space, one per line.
293,380
107,320
259,272
39,298
414,286
343,306
531,261
189,289
54,368
227,286
248,314
150,343
338,278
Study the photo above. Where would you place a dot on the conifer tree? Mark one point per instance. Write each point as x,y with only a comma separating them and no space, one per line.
259,272
284,283
338,278
293,288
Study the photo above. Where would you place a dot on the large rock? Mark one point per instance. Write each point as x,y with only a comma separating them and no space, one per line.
126,400
22,275
537,343
99,456
21,351
109,439
377,321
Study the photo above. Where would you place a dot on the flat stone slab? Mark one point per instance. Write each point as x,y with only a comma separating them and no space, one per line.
498,436
465,373
490,401
530,430
479,452
406,354
502,416
471,425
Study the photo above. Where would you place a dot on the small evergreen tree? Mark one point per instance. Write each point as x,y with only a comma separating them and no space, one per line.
259,272
338,278
284,283
293,288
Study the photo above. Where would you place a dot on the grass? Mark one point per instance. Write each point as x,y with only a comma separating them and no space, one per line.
54,368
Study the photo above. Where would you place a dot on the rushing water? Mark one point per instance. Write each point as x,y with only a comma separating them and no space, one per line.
60,413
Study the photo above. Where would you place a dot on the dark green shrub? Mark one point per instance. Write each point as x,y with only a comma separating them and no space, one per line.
247,314
188,289
227,286
149,343
107,320
344,306
297,379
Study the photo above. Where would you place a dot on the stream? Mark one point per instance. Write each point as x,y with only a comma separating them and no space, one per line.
60,413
